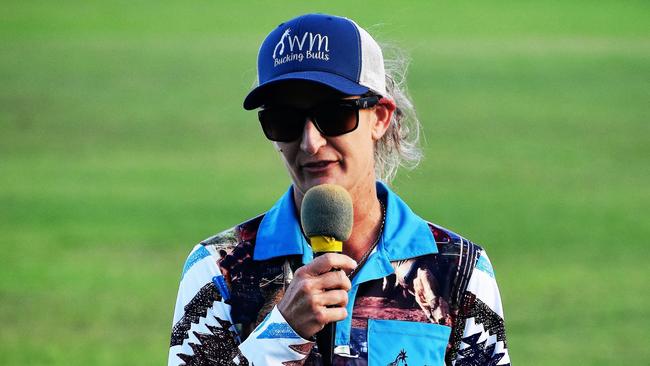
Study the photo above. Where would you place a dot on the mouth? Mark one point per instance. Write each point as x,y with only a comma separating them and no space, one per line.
318,166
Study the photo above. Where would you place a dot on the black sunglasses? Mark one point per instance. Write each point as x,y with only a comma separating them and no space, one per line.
286,124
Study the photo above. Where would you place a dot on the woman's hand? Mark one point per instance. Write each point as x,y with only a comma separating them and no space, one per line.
318,294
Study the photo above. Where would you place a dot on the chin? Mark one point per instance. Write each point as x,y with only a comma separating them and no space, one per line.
310,182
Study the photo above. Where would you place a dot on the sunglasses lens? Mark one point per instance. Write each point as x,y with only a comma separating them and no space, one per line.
285,124
336,120
282,124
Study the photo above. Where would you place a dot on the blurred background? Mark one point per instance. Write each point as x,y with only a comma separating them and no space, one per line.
123,143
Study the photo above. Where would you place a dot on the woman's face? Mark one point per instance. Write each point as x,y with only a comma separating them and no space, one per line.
314,159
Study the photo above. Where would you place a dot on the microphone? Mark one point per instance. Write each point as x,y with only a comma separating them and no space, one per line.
326,216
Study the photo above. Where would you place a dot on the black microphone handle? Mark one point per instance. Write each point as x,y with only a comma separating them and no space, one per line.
325,343
325,337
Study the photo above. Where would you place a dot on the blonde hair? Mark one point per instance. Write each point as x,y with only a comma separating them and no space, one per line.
400,145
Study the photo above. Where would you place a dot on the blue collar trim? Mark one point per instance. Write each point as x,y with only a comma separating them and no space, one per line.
405,234
279,233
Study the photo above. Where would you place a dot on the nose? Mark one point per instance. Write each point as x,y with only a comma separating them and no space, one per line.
312,140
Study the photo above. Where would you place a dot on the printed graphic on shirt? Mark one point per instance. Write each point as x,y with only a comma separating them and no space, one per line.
251,290
278,330
483,264
485,335
197,308
411,295
198,254
252,287
215,348
400,359
198,347
423,291
477,353
273,342
427,291
415,297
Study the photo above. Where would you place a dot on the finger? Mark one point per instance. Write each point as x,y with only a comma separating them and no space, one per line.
330,315
333,280
336,298
329,261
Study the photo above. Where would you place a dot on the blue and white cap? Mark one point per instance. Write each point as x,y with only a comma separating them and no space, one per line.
325,49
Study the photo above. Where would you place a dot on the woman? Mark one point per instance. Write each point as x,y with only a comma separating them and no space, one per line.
408,289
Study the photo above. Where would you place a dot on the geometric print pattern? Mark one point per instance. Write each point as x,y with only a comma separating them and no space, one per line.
252,285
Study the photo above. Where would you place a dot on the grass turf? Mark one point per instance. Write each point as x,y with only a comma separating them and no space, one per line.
123,143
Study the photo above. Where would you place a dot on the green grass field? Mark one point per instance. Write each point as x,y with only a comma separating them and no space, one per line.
123,143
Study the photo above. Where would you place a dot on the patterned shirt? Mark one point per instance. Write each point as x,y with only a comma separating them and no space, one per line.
425,296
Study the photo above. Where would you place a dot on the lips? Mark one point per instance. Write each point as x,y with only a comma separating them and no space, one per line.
318,166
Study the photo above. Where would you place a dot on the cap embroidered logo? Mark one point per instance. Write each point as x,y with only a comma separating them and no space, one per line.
317,48
281,43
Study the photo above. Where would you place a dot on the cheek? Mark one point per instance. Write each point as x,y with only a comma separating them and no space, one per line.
365,143
359,153
288,152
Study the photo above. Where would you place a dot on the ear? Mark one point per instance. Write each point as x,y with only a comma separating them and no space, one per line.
383,113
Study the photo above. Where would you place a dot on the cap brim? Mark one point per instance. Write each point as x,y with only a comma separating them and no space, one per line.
255,98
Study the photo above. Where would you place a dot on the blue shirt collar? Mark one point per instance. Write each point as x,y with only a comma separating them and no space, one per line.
405,234
279,233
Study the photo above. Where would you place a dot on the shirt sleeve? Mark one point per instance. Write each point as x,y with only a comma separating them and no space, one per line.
483,340
203,331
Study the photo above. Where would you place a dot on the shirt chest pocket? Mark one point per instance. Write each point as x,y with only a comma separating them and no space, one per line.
397,342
